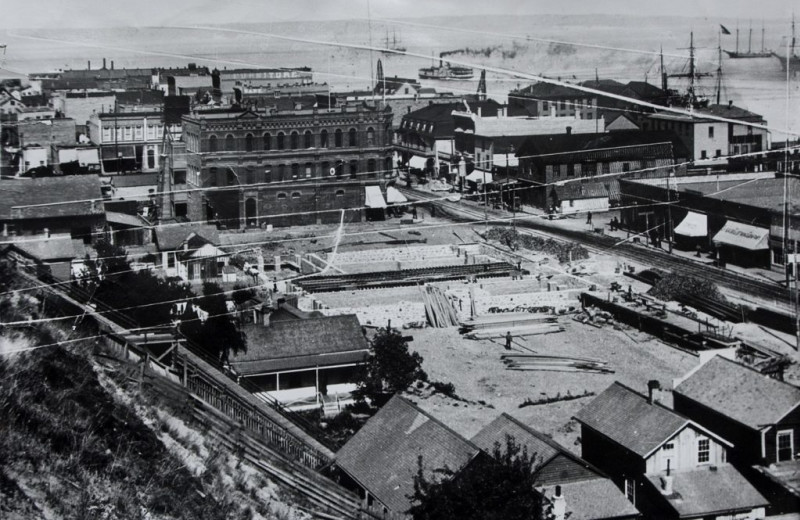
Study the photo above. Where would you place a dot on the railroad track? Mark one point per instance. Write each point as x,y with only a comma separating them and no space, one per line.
771,292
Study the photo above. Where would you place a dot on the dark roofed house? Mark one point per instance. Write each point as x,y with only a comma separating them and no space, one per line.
381,459
72,204
304,362
760,415
53,255
588,494
668,465
190,251
580,197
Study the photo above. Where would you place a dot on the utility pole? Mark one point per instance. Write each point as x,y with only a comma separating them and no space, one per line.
670,236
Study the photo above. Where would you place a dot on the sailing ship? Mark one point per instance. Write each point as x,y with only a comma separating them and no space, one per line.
446,71
391,46
749,54
691,98
792,60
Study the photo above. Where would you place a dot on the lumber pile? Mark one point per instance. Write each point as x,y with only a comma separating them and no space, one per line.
555,363
531,330
438,309
495,326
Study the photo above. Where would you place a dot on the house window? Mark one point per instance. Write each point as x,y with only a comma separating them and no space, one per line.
212,143
340,193
571,170
281,140
669,446
718,153
308,139
212,176
295,170
626,167
372,167
353,169
180,210
294,140
281,172
711,132
296,195
281,196
180,176
151,158
785,444
138,133
250,175
267,141
630,490
323,139
703,154
309,169
370,136
248,143
326,169
703,450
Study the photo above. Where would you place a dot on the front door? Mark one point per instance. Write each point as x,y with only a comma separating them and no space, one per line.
785,445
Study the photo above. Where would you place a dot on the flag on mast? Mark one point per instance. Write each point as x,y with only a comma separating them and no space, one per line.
724,29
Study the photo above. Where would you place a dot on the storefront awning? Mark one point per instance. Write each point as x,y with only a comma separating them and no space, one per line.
480,176
393,195
693,225
743,235
415,161
374,197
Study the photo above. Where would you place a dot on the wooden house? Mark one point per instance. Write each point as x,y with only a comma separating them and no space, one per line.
586,492
382,458
303,363
190,251
668,465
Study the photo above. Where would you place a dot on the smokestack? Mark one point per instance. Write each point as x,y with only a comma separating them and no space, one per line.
89,65
104,64
112,64
559,505
667,487
652,386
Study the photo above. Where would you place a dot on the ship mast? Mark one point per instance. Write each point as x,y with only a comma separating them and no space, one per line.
719,68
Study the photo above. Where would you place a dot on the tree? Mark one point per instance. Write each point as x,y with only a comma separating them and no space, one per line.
391,368
218,335
500,487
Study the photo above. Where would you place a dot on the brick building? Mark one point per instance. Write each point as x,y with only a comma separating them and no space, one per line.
281,167
129,141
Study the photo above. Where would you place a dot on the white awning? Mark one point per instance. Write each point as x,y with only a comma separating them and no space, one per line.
743,235
480,176
393,195
374,197
415,161
693,225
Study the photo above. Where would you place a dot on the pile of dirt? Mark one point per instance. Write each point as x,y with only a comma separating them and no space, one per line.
673,286
564,251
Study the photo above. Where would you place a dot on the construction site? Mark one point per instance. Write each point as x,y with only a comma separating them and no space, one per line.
532,331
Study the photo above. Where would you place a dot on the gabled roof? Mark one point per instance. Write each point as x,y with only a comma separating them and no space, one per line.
50,249
172,237
740,393
732,112
302,343
554,464
28,195
627,418
707,492
580,190
382,456
595,499
645,90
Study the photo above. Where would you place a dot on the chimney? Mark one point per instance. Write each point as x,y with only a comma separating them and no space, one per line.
112,64
89,65
559,505
652,386
104,64
569,130
730,103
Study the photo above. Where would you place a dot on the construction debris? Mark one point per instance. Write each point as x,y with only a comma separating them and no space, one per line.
438,309
515,324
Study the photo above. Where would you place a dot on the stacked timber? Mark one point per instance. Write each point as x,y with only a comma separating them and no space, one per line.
494,326
438,309
555,363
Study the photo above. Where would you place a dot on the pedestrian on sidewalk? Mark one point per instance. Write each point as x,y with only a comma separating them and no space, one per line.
589,218
508,340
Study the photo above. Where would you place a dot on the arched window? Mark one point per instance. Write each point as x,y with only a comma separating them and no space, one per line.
372,168
295,140
281,196
337,140
351,137
281,172
308,139
296,195
212,143
340,193
267,141
323,139
370,136
295,170
309,169
248,143
281,142
229,143
353,169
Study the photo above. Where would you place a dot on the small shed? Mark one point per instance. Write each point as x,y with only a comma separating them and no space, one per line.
578,197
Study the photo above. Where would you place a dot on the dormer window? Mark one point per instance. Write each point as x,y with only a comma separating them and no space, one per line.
703,450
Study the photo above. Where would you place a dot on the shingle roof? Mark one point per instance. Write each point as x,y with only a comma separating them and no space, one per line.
171,237
28,193
301,343
594,499
382,456
566,466
732,112
707,492
54,248
627,418
740,393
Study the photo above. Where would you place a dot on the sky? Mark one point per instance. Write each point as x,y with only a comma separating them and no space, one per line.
107,13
